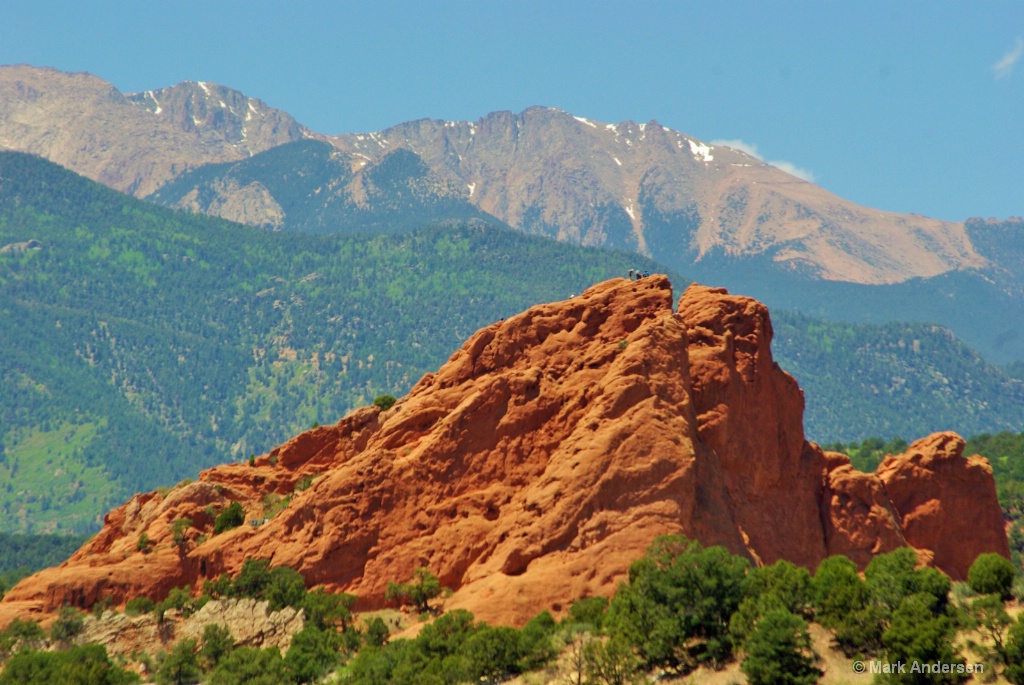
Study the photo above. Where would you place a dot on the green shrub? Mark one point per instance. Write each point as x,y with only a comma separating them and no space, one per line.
916,633
252,580
67,626
779,651
384,402
217,643
179,532
678,601
377,632
536,642
139,605
328,610
423,588
991,574
312,653
588,611
22,633
232,517
179,599
1014,653
612,662
216,589
250,666
843,604
180,666
86,665
286,587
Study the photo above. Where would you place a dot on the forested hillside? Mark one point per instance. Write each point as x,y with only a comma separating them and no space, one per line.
141,344
893,379
311,187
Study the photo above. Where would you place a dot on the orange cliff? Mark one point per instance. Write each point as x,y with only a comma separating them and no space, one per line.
541,460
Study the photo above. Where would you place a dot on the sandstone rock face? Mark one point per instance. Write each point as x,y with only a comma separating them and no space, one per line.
541,460
947,504
250,623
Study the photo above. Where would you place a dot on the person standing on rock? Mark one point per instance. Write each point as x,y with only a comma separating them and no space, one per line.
631,274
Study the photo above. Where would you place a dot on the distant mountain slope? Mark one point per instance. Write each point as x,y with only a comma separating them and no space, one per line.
551,159
642,187
310,186
133,143
669,195
983,308
892,377
1002,243
710,211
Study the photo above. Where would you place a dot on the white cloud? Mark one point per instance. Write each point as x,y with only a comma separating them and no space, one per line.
1004,67
740,145
751,149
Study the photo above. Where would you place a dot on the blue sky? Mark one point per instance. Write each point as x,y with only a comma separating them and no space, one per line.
908,106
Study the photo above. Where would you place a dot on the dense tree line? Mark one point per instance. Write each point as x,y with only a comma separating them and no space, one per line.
21,555
683,606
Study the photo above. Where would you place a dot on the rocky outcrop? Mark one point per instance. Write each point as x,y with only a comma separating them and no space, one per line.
947,503
249,621
541,460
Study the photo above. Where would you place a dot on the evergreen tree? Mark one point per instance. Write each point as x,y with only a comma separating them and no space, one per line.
779,651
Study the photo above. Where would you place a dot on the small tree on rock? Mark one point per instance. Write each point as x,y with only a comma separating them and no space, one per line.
424,587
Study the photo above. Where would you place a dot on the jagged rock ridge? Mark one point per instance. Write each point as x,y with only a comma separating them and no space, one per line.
541,460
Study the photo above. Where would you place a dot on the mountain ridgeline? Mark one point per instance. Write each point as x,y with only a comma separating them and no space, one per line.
308,186
532,172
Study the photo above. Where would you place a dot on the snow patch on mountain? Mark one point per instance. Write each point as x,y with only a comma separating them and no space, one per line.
700,150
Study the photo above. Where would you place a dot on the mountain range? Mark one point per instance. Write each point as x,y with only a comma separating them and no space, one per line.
715,213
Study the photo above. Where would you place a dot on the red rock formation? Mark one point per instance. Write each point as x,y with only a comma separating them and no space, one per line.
542,459
948,504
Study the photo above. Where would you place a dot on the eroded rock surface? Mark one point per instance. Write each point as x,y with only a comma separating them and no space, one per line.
541,460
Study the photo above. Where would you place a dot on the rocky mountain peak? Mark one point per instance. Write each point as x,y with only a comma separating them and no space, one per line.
133,143
218,113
